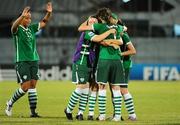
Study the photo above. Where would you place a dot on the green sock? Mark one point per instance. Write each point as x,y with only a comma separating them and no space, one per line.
102,102
117,101
92,103
74,99
17,94
83,100
128,100
32,97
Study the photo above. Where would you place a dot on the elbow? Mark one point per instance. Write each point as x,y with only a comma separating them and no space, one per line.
42,24
121,43
134,52
13,30
83,28
79,29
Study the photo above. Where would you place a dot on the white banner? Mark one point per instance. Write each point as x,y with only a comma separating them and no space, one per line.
53,73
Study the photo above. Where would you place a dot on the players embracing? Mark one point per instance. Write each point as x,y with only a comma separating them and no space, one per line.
110,67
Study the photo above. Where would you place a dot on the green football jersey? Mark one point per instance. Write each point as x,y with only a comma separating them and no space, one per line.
127,62
108,52
85,48
25,43
89,35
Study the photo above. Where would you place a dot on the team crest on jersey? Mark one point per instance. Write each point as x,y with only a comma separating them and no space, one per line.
25,77
91,34
82,79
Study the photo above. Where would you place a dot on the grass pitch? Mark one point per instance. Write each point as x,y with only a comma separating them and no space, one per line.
156,103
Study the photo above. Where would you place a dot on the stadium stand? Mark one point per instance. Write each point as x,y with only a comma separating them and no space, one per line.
153,20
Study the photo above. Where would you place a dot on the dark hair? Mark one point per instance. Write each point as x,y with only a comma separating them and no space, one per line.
104,14
94,16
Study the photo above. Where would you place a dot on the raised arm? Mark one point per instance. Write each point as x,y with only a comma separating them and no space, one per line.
45,20
84,27
17,22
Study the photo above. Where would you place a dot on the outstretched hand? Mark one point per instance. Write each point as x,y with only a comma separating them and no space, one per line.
49,7
25,11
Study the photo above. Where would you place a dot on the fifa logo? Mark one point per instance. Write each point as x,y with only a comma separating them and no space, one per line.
160,73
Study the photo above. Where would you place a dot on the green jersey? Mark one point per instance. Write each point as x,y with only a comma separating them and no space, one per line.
127,62
25,43
83,60
108,52
89,35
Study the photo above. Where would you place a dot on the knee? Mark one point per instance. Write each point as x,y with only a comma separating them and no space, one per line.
124,91
25,87
115,87
80,86
32,86
102,87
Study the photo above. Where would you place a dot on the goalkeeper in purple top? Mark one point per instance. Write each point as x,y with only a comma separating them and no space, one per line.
109,65
80,70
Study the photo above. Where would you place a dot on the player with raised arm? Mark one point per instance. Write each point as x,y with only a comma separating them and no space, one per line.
26,57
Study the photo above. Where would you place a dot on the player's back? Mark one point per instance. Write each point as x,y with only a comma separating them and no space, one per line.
108,52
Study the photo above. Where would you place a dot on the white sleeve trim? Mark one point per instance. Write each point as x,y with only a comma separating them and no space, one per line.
93,27
15,31
39,26
128,43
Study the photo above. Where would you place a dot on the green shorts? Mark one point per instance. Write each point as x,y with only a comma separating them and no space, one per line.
111,71
126,78
26,71
80,74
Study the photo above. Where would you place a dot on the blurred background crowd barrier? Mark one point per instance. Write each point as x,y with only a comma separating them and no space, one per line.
153,25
